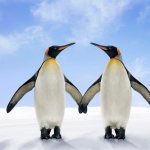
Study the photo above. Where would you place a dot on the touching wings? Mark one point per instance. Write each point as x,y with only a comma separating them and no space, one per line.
26,87
73,91
139,87
91,91
89,94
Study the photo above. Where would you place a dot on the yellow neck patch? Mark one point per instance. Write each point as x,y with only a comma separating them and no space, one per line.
52,63
113,62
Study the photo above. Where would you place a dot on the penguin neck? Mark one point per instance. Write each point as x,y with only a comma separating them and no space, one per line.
119,57
48,58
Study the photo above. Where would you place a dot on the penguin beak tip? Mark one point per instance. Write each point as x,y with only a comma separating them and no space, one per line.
93,43
72,43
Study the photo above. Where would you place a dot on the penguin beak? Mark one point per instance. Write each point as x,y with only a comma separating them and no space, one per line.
60,48
104,48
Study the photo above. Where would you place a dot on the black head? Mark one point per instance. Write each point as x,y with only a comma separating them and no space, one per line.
111,51
53,51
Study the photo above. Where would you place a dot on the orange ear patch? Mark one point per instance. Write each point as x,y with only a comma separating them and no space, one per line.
46,52
119,52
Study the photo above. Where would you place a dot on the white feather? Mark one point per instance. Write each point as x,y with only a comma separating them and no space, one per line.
50,95
115,95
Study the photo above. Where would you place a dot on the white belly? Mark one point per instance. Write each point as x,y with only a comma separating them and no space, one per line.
115,95
49,95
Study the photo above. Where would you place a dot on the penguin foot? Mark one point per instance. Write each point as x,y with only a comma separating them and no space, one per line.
109,136
56,134
120,133
108,133
45,133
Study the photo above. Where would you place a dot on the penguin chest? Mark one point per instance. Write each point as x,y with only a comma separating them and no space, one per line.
49,93
115,92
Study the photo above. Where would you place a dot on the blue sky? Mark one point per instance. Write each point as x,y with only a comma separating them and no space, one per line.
28,27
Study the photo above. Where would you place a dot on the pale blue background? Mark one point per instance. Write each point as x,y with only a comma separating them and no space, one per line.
28,27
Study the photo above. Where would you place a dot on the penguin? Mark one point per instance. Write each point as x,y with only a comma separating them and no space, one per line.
115,85
49,85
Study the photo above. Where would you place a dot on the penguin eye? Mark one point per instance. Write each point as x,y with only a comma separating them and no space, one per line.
54,48
110,48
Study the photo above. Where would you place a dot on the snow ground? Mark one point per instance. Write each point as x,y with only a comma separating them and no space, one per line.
19,131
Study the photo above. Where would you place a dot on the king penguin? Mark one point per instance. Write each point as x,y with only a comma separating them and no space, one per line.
50,85
115,85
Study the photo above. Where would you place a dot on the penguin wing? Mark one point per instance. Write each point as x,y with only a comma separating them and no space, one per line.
91,92
139,87
73,91
22,90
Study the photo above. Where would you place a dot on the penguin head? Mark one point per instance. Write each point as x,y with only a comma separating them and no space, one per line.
53,51
111,51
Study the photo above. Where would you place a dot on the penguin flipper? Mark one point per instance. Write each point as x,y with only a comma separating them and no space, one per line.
73,91
139,87
22,90
89,94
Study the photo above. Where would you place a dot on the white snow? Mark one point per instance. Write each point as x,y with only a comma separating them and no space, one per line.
19,131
